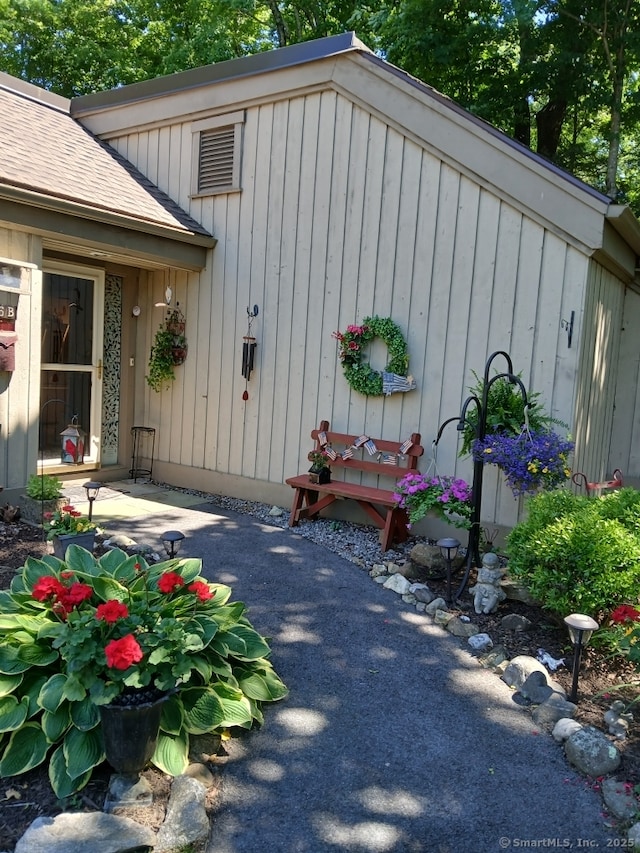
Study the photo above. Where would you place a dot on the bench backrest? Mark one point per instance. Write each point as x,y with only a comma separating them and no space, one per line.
390,458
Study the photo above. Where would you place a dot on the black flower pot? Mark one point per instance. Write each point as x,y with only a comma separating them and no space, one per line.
130,727
319,475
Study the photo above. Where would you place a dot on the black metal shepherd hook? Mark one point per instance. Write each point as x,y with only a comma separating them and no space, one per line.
473,547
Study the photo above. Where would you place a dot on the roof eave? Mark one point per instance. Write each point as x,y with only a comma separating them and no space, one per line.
143,243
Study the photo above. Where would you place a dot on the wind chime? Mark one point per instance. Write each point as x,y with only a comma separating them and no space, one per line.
248,350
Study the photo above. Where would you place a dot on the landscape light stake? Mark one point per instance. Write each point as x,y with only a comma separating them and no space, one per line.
581,628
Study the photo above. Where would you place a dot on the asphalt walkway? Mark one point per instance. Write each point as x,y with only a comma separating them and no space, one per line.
393,739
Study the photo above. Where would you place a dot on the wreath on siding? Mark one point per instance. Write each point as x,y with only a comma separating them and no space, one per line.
360,376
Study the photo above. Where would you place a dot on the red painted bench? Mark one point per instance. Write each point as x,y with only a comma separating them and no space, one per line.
389,459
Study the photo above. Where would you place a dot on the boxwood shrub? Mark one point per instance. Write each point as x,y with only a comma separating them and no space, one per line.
579,554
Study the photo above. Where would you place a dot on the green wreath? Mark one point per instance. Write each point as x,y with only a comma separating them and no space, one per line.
361,376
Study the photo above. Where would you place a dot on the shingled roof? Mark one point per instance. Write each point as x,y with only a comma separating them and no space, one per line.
45,151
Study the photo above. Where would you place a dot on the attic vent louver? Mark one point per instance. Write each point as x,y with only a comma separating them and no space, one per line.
216,161
216,153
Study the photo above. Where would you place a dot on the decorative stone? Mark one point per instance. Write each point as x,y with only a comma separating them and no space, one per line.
460,628
186,821
422,592
515,622
397,583
421,606
519,669
76,832
435,605
633,836
276,511
619,799
119,541
200,773
537,688
127,792
480,642
381,579
564,728
497,657
555,708
378,570
409,599
515,591
428,562
592,752
442,617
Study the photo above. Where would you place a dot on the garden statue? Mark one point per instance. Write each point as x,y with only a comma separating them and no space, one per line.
487,592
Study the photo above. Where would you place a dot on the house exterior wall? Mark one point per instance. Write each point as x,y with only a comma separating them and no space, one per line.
342,215
598,373
20,390
624,452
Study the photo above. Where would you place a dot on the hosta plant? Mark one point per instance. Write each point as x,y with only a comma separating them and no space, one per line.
88,631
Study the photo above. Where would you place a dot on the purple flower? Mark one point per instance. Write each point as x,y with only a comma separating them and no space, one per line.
530,461
446,497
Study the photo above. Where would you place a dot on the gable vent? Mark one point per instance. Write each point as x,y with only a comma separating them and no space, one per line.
216,160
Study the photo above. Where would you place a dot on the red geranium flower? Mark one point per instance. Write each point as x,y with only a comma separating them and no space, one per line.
111,611
122,653
68,508
170,582
76,594
201,589
46,587
624,613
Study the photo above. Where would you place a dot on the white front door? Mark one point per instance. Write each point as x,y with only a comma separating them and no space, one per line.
71,358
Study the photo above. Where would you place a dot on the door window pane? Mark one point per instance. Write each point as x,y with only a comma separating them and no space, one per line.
67,320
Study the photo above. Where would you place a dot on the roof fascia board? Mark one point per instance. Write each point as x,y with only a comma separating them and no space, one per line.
96,215
471,148
34,93
255,64
109,238
192,105
626,224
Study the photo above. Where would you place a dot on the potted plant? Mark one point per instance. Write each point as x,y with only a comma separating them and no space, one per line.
86,633
67,526
320,472
447,497
43,494
169,349
531,460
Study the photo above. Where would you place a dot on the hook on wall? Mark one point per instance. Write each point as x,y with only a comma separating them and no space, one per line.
568,326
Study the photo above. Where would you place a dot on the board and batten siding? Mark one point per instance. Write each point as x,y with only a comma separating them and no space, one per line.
596,382
624,452
341,216
20,390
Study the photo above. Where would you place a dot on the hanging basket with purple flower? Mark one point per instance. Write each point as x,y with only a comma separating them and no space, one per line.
531,461
447,497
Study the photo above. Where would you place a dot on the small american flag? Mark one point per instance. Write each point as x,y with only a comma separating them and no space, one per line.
363,439
322,439
389,459
371,446
406,445
331,453
347,453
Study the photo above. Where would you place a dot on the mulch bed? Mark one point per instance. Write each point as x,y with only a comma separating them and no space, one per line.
23,798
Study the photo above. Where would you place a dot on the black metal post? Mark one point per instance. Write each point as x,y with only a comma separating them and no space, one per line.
473,546
577,654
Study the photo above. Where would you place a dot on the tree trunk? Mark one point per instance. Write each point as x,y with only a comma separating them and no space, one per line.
549,121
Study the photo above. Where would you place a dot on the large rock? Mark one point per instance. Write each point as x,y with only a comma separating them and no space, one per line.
554,708
81,832
186,821
428,563
397,583
519,669
515,591
619,799
592,752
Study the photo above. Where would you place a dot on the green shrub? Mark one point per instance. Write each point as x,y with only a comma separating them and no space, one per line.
44,487
579,554
55,669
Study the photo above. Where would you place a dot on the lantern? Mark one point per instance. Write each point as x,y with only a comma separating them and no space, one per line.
73,443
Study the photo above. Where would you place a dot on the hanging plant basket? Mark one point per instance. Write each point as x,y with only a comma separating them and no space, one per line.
168,351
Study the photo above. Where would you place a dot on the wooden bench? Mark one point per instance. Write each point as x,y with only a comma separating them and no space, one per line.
390,459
